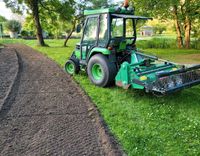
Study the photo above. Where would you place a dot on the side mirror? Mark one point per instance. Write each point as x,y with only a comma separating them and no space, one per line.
78,28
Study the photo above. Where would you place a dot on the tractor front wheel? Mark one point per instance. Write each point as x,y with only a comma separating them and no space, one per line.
72,67
100,71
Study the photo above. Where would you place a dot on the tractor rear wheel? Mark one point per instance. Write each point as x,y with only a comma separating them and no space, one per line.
72,66
100,71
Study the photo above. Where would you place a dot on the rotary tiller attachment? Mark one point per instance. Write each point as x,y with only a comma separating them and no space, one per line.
169,82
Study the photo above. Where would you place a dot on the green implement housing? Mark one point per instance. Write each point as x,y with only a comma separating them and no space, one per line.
108,52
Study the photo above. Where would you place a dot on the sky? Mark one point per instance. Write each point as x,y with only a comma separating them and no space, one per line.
7,13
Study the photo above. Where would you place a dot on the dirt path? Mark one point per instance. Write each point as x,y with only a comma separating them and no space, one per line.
47,114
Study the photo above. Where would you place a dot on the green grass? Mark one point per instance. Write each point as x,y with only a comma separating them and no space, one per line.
143,124
177,55
164,42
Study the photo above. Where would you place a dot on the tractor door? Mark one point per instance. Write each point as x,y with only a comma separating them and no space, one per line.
89,39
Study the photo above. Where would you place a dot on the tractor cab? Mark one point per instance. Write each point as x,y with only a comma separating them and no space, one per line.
107,31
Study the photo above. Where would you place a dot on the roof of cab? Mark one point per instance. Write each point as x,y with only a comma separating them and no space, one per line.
99,11
107,10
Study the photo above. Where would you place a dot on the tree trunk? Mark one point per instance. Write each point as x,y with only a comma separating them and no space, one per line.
187,32
178,28
36,17
70,34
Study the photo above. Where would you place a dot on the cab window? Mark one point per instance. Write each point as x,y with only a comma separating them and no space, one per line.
103,32
90,32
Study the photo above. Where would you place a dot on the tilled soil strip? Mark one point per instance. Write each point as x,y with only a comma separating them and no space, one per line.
48,114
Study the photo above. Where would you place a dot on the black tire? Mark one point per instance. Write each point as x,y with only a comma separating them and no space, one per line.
109,70
73,61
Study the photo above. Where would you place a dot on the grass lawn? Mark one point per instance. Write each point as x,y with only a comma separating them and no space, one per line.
143,124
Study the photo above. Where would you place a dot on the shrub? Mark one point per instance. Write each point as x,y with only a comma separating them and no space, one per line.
162,43
195,44
159,29
32,33
24,33
13,26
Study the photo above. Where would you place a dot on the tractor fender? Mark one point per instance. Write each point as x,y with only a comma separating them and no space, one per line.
98,50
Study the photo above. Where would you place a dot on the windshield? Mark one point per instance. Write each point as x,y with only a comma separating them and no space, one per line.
121,27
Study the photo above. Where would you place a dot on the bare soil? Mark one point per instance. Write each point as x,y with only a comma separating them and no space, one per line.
46,113
8,72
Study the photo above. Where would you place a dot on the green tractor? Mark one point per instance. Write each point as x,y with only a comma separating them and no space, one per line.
108,53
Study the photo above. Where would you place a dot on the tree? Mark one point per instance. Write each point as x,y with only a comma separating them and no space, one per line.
177,25
28,25
97,4
33,5
158,26
13,26
181,11
196,30
80,6
61,15
56,17
2,19
190,10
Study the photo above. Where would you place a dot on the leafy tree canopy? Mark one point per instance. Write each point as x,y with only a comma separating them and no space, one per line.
183,12
2,19
13,26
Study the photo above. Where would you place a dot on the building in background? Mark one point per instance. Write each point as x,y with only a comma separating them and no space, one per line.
146,31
